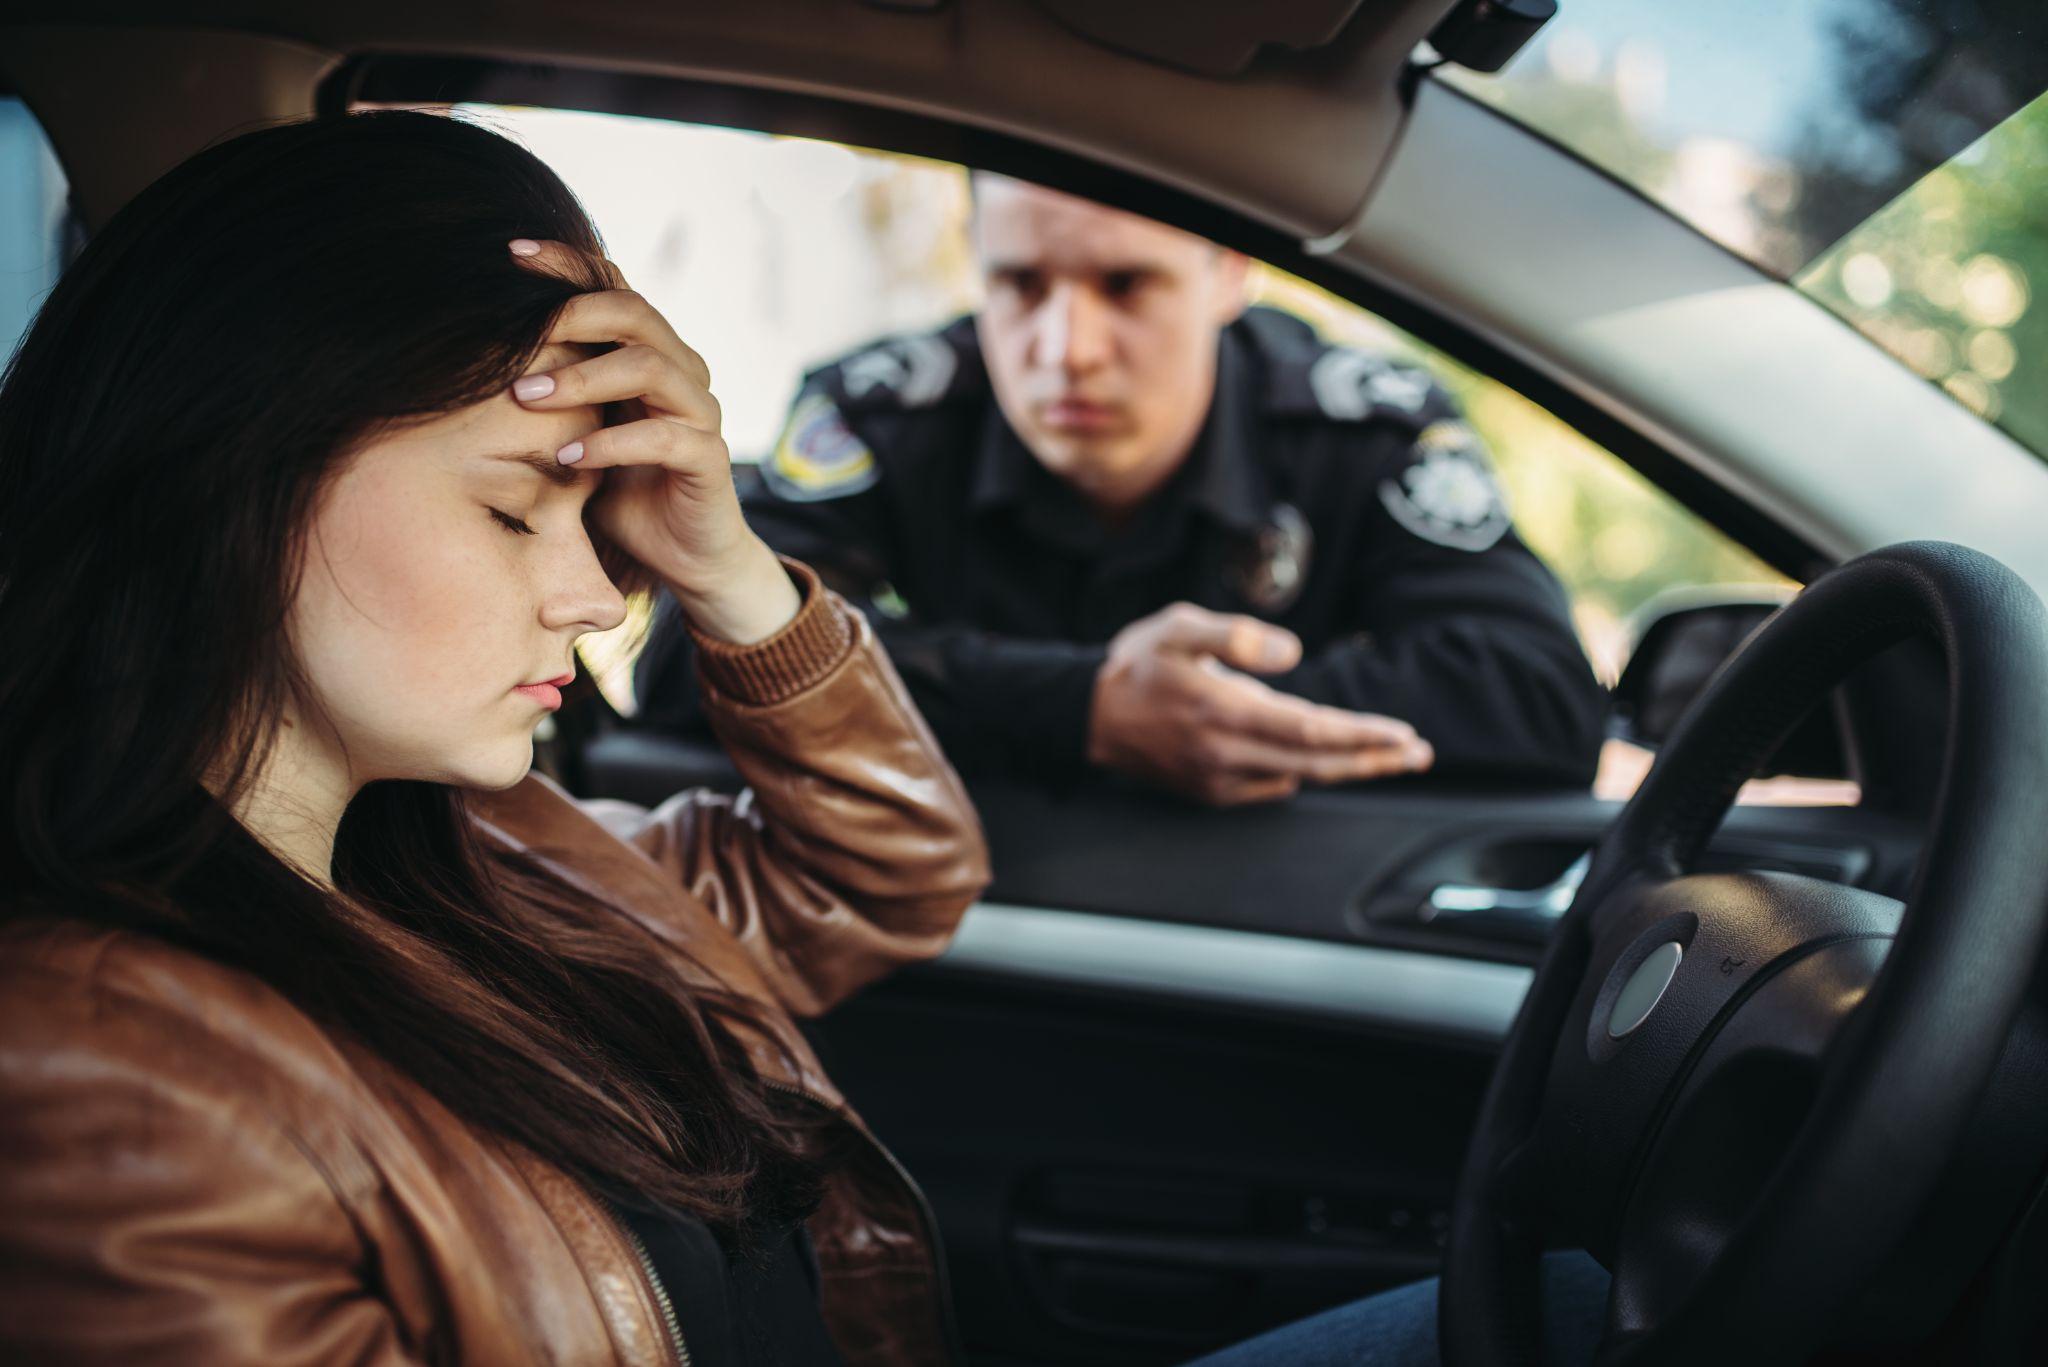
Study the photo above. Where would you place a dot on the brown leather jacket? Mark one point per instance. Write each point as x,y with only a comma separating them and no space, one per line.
192,1170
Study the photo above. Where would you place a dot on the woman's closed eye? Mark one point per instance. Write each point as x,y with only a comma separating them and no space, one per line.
511,523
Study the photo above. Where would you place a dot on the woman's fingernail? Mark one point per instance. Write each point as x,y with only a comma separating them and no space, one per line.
533,386
571,453
525,246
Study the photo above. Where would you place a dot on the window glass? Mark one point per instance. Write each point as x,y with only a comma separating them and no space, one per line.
769,254
1887,156
1949,277
1772,126
32,197
773,255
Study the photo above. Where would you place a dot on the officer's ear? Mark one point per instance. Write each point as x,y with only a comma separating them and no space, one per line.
1232,280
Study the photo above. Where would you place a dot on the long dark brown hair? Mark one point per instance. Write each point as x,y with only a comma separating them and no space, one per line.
166,427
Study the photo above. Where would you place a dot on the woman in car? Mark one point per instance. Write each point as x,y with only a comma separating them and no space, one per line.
328,1033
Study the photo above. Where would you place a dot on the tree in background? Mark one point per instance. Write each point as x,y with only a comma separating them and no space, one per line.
1948,276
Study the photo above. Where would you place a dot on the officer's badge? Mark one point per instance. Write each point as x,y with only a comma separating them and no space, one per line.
1269,570
1348,385
915,370
1447,494
818,456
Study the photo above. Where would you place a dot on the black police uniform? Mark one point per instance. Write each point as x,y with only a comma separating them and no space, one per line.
1330,491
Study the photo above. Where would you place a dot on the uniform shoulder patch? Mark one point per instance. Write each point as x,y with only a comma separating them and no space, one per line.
1351,385
1445,493
910,372
818,456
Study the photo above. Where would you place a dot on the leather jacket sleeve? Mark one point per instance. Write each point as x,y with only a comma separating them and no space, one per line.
116,1246
854,848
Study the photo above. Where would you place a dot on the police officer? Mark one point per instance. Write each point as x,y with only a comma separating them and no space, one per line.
1119,521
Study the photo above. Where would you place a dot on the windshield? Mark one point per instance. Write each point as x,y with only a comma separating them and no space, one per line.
1887,157
1950,276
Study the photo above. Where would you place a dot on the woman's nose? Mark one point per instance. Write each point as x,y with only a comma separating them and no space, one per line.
582,595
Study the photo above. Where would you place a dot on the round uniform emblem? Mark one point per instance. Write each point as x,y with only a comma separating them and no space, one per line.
1269,570
1446,494
818,456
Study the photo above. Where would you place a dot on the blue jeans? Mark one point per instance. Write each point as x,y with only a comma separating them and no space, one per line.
1398,1328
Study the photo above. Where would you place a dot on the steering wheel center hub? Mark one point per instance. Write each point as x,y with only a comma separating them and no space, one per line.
1644,989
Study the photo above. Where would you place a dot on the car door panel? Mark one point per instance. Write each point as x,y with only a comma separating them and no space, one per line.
1132,1179
1186,1074
1351,865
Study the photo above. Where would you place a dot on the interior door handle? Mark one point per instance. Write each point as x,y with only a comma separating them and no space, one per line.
1521,912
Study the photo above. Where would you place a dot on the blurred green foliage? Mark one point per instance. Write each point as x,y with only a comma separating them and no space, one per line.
1947,277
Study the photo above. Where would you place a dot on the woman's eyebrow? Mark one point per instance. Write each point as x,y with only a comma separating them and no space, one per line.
542,463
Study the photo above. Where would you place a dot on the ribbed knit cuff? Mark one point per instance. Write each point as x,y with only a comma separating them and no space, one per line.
809,646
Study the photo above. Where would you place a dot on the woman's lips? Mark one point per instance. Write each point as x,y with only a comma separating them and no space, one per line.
548,694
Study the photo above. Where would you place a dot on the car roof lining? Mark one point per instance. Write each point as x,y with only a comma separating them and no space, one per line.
1293,138
1209,37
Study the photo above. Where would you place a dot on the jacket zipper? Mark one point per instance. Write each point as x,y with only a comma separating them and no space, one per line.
661,1296
941,1280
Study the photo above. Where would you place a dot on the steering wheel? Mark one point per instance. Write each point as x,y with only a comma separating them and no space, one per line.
1737,1091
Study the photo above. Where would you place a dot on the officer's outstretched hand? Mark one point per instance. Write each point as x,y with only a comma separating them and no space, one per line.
1175,703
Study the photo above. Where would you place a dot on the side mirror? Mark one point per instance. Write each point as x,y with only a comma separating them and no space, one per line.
1681,638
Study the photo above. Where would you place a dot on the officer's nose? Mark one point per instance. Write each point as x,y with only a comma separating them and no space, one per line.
1073,331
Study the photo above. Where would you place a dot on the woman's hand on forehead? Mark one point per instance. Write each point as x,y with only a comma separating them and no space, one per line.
672,505
614,316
